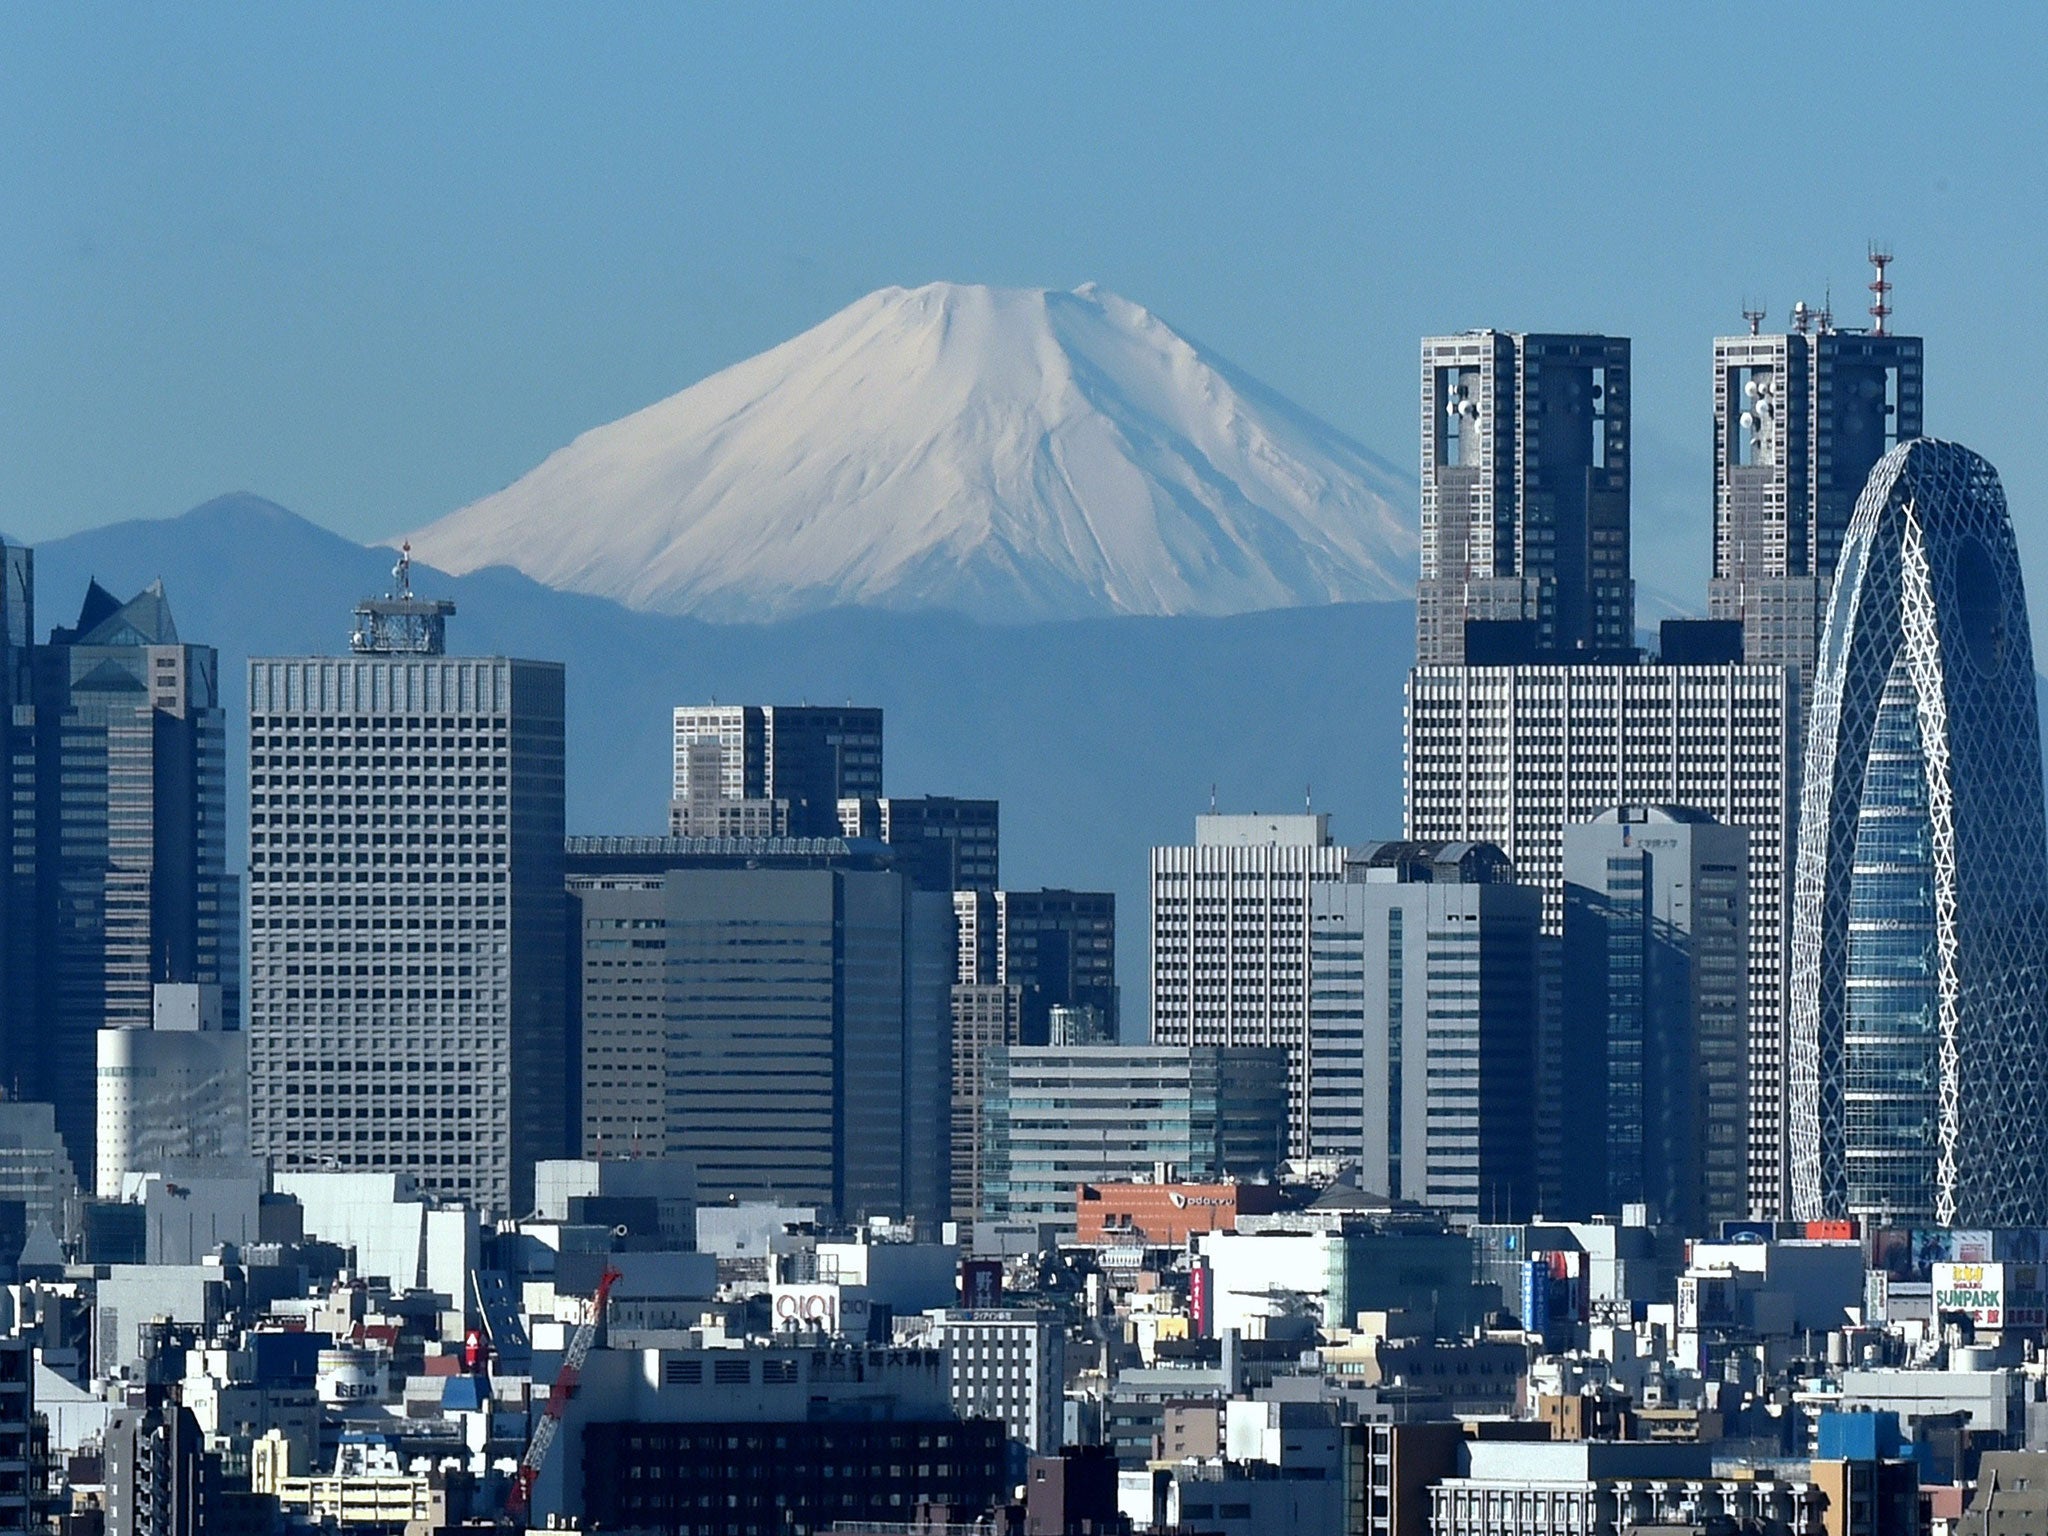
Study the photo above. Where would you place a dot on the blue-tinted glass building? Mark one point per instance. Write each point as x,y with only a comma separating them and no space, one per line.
1918,1051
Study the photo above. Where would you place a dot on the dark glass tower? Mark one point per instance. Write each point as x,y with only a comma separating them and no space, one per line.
132,886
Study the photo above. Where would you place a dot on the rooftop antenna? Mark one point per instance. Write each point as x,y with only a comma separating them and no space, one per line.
1801,316
1754,313
402,572
1308,798
1827,310
1212,799
1880,288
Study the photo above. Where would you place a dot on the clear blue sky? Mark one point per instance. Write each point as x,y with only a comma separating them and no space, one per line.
374,262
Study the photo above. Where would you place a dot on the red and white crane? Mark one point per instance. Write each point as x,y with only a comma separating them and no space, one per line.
558,1398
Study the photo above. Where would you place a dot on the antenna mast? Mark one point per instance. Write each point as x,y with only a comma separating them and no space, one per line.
1880,288
1754,313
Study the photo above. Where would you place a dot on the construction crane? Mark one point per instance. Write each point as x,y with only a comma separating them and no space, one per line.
558,1398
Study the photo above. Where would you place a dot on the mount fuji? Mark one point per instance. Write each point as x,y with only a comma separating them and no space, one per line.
1009,455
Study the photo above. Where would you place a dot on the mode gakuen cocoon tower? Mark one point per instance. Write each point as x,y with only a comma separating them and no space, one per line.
1918,1048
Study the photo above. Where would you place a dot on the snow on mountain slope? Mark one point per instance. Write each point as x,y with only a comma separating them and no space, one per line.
1010,454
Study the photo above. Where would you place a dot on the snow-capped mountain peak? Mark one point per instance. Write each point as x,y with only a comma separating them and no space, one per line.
1012,454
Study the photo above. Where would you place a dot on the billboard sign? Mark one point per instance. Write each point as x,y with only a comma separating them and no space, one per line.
1976,1290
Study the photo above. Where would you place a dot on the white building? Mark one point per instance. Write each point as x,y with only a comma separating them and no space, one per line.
406,980
1513,755
1230,939
1009,1363
178,1089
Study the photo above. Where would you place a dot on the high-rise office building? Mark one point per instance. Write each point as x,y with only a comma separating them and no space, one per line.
20,1039
773,1011
773,769
986,1019
1059,946
1513,755
1525,493
1800,419
1058,1117
1425,992
131,864
406,970
942,843
1656,1014
1919,1057
1230,939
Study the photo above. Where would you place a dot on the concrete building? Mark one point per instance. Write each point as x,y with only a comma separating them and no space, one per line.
1918,1043
132,885
156,1473
1800,420
407,1009
1055,1118
782,769
35,1165
1425,994
21,1477
1327,1277
1230,940
1591,1487
943,844
776,1012
174,1091
1656,1008
1009,1363
651,1432
1525,493
986,1019
1513,755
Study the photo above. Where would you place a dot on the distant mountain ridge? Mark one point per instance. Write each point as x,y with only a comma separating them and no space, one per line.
1100,737
1013,455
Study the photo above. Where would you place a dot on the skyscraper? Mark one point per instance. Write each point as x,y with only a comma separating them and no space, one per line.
942,843
1514,755
1799,421
1525,493
774,1010
406,974
20,1041
1919,1051
773,769
1230,939
1425,991
131,860
1656,1006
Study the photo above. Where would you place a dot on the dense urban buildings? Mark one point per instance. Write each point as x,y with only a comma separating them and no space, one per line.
1514,755
1919,1056
1656,1009
1425,991
1058,1117
1800,419
406,975
774,769
1525,493
774,1011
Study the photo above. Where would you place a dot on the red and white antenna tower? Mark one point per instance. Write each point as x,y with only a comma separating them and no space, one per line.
1880,288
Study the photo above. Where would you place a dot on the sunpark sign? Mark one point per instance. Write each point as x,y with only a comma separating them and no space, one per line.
1977,1290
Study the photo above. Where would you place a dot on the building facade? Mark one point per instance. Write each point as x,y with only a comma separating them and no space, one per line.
1055,1118
131,879
1919,1054
1009,1364
1230,939
774,1011
1525,492
1800,419
177,1090
942,843
1656,1010
1425,993
780,769
406,1009
1512,755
